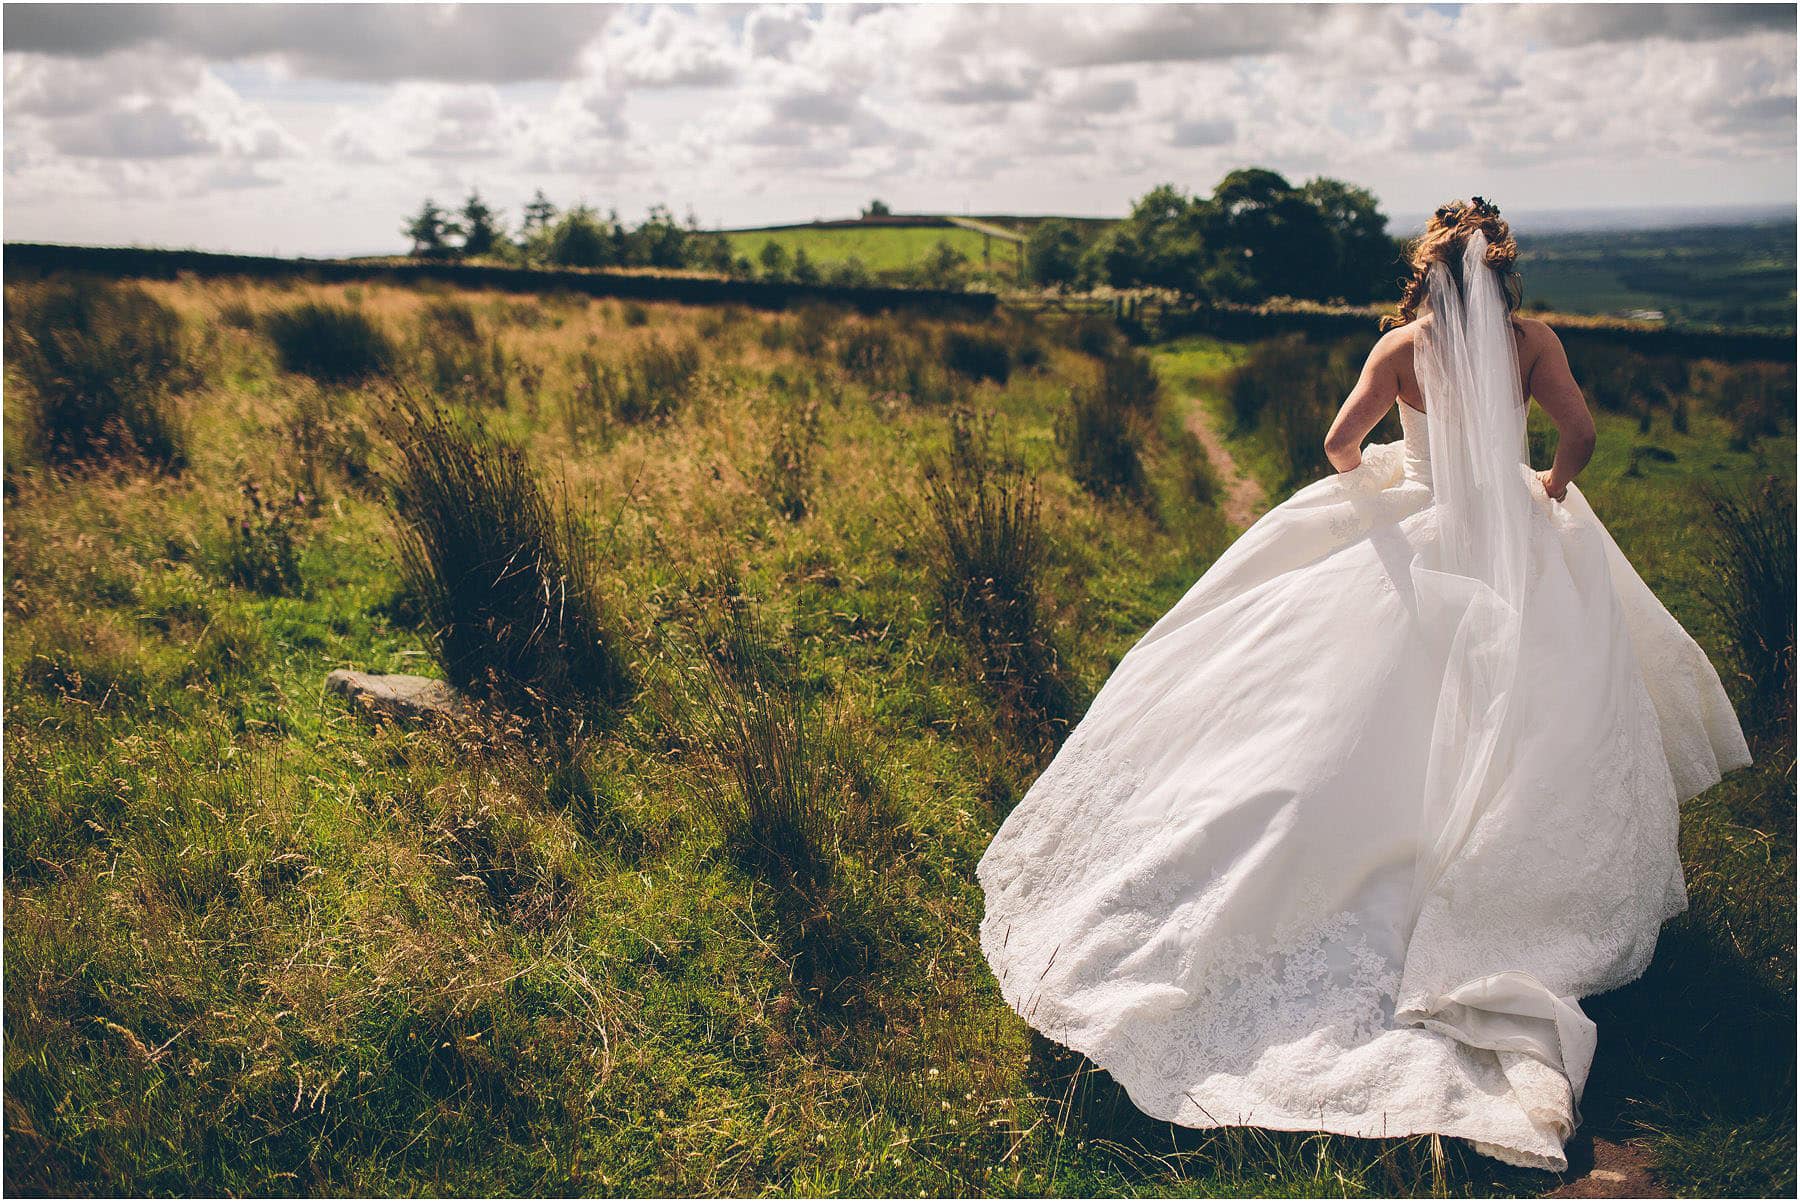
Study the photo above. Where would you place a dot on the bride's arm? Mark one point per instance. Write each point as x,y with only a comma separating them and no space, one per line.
1554,388
1375,392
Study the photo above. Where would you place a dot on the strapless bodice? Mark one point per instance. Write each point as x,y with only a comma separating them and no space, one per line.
1416,443
1417,465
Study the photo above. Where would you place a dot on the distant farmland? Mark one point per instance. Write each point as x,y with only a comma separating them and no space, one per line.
1730,275
880,248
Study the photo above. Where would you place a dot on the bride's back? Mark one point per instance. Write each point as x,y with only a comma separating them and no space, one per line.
1528,340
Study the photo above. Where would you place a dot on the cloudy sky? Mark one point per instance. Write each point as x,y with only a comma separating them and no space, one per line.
314,128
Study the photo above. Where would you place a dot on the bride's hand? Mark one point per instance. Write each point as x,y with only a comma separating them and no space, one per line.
1554,494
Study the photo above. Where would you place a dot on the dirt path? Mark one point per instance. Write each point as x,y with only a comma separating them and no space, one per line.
1244,501
1604,1169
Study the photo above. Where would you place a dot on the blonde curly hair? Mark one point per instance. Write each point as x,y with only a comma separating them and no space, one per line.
1445,233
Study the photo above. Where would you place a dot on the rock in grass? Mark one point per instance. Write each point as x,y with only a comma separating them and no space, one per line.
404,698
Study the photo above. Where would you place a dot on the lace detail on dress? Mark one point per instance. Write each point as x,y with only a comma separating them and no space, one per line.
1058,820
1227,1001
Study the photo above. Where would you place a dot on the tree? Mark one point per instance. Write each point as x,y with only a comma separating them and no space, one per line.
805,270
774,259
431,230
1053,253
578,239
481,226
1114,258
877,208
1277,237
660,242
1159,244
712,251
537,215
942,268
851,273
1367,260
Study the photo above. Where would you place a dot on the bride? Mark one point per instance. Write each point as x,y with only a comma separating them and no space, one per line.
1351,830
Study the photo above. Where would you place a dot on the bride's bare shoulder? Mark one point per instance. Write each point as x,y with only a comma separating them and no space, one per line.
1396,345
1397,338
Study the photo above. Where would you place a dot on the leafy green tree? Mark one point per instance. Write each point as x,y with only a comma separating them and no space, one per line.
712,251
1053,253
431,230
851,273
943,267
1367,259
1278,239
805,271
659,241
877,208
774,260
579,239
1172,251
624,245
1114,259
481,226
537,215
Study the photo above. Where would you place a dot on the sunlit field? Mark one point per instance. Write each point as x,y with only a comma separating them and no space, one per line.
793,608
880,248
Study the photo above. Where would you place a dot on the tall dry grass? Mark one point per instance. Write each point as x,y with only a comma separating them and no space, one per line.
102,362
505,575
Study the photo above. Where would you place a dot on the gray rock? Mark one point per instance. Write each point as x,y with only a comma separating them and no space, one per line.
404,698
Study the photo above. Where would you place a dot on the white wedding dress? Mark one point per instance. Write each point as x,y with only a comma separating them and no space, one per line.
1236,888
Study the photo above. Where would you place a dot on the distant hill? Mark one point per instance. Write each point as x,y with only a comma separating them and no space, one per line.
1022,224
1616,218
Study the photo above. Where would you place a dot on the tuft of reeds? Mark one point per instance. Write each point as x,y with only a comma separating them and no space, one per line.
1105,427
459,362
505,579
325,438
790,473
987,550
1093,335
332,343
1751,586
102,362
797,799
262,552
649,384
978,354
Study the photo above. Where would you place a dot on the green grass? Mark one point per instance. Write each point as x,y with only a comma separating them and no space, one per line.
256,945
882,248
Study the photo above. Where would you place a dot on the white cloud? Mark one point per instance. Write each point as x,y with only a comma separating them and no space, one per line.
789,111
459,43
671,50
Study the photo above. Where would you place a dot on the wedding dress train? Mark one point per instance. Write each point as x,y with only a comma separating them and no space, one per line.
1230,890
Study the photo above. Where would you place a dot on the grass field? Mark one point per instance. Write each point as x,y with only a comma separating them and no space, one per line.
881,248
257,945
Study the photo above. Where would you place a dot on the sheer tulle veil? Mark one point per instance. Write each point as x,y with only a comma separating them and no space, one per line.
1472,588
